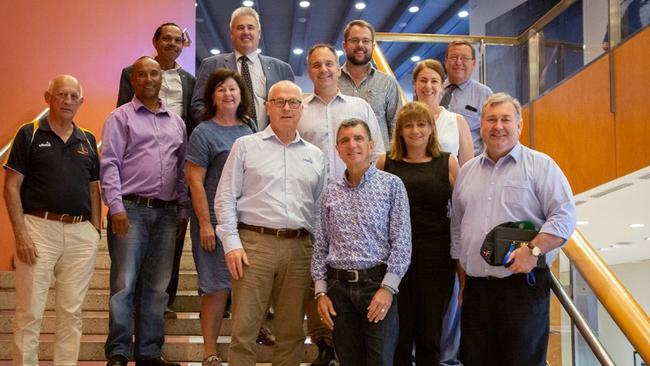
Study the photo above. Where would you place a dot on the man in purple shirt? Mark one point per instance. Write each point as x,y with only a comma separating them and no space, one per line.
143,186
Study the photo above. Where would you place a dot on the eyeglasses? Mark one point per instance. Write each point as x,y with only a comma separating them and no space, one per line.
364,41
279,102
462,58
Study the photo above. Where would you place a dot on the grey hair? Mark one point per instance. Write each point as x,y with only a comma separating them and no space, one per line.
500,98
245,10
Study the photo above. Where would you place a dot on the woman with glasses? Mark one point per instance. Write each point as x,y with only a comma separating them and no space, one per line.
224,121
452,129
428,175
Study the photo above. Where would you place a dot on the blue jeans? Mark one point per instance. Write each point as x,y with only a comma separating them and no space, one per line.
141,266
357,341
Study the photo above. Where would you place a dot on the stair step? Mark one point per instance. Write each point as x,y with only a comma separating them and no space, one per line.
97,300
177,348
104,261
187,281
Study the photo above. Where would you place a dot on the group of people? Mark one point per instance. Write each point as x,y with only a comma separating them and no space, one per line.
343,205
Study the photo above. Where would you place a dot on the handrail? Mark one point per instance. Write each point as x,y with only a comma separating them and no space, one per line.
5,149
580,322
382,64
621,306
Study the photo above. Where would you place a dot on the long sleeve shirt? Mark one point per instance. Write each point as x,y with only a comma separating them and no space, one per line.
267,183
362,227
524,185
143,153
320,122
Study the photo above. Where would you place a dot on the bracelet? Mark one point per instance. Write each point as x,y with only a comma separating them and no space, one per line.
391,290
320,294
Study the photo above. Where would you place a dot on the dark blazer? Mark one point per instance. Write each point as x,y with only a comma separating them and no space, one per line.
275,70
187,81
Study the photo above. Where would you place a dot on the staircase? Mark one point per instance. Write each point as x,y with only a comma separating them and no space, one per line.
183,341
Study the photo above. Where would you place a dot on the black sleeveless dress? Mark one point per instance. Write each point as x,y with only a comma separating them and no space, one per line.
426,288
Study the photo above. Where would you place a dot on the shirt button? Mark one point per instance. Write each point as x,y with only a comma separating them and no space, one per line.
489,198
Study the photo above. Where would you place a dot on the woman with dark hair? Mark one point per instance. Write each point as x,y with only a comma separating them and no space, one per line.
452,129
223,122
428,175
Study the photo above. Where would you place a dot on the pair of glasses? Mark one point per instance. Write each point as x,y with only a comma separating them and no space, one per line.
279,102
462,58
364,41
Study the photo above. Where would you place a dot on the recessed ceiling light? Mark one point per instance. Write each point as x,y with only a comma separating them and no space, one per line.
604,249
339,53
621,243
580,223
196,4
304,4
415,58
215,51
647,238
463,14
360,5
248,3
414,9
637,225
259,50
297,51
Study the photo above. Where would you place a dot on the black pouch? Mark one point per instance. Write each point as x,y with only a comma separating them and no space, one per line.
504,238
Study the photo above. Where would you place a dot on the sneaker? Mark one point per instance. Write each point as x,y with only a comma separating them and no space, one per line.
212,360
265,337
326,356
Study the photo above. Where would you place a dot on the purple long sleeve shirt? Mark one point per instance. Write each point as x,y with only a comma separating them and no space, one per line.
143,153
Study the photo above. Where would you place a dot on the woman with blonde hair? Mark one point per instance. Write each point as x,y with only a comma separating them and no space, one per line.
428,175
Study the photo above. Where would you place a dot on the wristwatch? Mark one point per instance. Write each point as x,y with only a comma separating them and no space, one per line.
535,250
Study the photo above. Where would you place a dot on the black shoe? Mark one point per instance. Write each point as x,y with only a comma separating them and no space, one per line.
155,362
265,337
326,355
117,360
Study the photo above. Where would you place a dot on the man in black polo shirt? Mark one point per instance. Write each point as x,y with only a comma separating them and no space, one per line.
53,200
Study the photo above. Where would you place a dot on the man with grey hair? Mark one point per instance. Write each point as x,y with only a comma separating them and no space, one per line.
259,71
505,309
52,196
360,78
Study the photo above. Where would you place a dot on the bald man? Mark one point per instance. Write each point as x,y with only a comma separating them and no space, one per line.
52,196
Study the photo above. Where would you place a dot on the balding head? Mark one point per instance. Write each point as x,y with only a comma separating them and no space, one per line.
284,107
64,95
146,79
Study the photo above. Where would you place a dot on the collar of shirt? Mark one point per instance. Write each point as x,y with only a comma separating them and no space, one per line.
311,97
252,57
44,125
461,86
371,70
268,133
514,154
137,105
367,175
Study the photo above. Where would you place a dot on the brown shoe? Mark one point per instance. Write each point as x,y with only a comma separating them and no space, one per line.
265,337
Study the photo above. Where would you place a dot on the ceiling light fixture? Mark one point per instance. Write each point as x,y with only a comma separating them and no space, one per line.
248,3
304,4
360,5
414,9
339,53
297,51
580,223
215,51
604,249
636,225
415,58
463,14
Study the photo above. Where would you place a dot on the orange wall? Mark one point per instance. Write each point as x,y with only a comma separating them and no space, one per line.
92,40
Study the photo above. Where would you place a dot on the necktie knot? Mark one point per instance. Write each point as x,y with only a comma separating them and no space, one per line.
446,98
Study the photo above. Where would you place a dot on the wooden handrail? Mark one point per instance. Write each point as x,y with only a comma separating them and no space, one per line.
619,303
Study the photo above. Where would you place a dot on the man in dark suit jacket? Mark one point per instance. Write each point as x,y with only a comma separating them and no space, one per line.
168,41
245,34
176,92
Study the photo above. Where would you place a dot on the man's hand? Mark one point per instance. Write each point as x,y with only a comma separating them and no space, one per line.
208,240
326,311
523,260
379,305
181,227
236,260
26,250
120,223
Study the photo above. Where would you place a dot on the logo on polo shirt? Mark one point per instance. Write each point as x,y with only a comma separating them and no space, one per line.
45,144
82,150
307,160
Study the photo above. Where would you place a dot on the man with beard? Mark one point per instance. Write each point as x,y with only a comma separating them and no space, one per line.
360,78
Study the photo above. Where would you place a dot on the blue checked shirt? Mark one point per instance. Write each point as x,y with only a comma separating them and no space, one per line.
363,227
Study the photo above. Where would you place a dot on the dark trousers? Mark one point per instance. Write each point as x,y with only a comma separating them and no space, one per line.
505,321
357,341
423,298
178,252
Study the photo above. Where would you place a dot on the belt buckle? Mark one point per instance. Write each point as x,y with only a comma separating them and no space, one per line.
356,275
278,232
148,204
62,217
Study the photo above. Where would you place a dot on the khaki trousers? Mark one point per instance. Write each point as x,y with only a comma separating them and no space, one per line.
67,253
278,274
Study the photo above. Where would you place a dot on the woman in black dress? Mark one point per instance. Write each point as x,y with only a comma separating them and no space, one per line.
429,176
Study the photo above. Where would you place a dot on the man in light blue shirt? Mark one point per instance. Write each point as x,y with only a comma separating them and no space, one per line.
266,206
505,313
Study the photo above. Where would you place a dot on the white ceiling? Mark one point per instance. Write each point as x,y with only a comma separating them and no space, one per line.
606,212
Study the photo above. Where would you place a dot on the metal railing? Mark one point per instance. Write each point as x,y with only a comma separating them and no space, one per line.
5,149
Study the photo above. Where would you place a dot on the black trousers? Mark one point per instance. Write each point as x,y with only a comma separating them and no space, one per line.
505,321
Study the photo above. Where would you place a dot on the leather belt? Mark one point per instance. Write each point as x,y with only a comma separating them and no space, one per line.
278,233
355,275
148,201
65,218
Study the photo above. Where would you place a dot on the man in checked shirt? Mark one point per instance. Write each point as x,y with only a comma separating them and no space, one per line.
362,250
